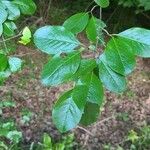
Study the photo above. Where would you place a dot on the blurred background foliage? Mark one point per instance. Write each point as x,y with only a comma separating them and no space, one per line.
121,14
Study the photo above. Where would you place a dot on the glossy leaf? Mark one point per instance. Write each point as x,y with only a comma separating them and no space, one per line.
94,99
15,64
60,69
9,28
95,88
13,10
102,3
55,39
111,80
120,56
140,40
3,13
94,30
1,29
86,65
27,7
69,108
3,62
77,22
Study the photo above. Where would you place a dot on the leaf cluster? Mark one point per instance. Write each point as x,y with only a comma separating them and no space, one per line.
83,102
10,11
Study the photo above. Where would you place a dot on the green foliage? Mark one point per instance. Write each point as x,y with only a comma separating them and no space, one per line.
119,56
8,131
9,12
55,39
27,7
3,62
140,139
88,76
66,143
83,102
102,3
68,110
59,69
9,28
26,116
140,5
77,22
15,64
138,39
94,30
111,79
26,36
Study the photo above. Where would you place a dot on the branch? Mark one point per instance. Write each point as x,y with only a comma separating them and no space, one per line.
8,39
79,127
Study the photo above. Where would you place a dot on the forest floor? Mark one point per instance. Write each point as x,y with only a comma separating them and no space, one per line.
121,113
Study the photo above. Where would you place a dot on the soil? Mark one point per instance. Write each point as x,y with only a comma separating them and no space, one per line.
26,90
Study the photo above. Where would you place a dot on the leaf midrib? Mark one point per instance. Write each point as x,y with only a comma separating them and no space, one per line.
77,22
74,41
109,72
59,66
131,39
119,54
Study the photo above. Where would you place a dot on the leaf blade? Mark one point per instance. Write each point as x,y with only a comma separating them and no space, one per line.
119,56
59,70
68,110
111,80
77,22
139,39
102,3
55,39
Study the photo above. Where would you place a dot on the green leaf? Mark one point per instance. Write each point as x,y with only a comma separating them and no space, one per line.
26,36
145,4
3,13
6,104
77,22
133,136
111,80
55,39
68,109
94,98
1,29
95,88
3,62
27,7
13,10
120,56
47,142
102,3
91,114
60,69
14,136
94,30
4,74
9,28
140,40
15,64
3,146
86,65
